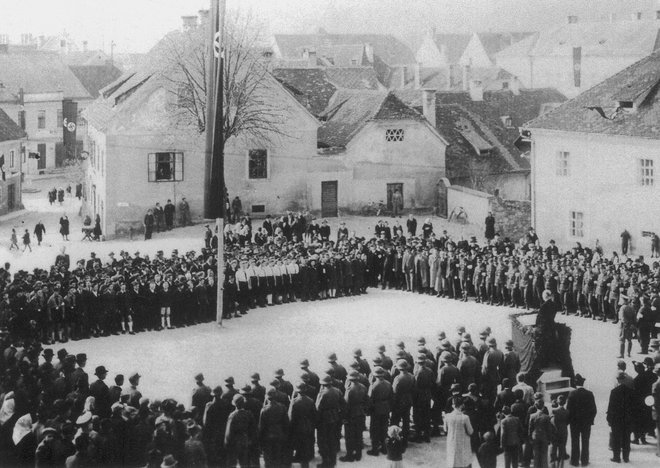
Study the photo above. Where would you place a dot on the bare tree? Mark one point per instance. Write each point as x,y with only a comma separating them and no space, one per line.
248,107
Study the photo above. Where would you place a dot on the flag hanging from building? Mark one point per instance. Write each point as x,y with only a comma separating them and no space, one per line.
69,126
577,66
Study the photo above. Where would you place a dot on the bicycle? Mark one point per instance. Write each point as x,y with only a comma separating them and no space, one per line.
373,209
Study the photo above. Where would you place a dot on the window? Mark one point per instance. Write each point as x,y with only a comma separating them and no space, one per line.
577,224
165,167
505,85
21,119
646,172
11,159
394,134
507,121
258,164
41,119
60,118
562,163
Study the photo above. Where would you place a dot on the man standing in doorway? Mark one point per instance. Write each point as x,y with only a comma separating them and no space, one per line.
397,203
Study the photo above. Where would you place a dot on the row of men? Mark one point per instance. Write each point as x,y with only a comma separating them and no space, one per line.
125,295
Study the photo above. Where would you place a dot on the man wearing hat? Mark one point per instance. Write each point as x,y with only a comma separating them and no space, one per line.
47,367
339,371
620,409
356,399
491,369
302,423
380,397
273,430
312,378
215,419
540,431
425,384
79,373
363,365
511,363
101,393
230,391
654,346
628,320
329,405
257,391
201,395
386,361
240,433
285,386
403,388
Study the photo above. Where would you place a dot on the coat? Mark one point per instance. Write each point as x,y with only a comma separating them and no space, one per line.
459,430
511,431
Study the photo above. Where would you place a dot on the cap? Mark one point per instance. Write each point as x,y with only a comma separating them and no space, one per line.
445,356
538,396
492,341
217,391
421,340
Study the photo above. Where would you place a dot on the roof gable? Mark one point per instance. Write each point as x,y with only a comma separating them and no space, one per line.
95,77
595,110
9,130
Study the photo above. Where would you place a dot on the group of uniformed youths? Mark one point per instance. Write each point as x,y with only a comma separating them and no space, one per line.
124,294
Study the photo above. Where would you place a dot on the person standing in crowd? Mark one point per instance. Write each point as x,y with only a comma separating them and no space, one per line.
411,225
619,417
628,322
184,213
39,231
168,212
148,224
581,407
490,226
458,429
64,227
159,217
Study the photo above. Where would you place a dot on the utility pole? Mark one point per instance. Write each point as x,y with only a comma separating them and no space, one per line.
214,191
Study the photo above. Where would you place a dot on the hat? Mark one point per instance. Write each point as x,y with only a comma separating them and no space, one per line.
229,381
357,352
445,356
400,344
255,376
279,373
332,357
62,352
327,380
538,396
48,352
353,375
421,340
445,344
100,370
492,341
84,418
420,358
402,364
134,377
379,371
648,361
217,391
169,462
508,343
199,377
455,388
304,363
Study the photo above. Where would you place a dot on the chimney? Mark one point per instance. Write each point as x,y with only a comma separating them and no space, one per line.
369,52
476,90
418,75
572,19
428,105
189,22
466,77
204,16
84,46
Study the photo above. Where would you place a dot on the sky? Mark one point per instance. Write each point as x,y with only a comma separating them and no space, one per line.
136,25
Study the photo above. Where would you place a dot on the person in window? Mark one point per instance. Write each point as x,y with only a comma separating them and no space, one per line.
148,224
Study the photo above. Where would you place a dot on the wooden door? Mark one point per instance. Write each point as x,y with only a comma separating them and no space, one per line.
11,196
41,162
329,198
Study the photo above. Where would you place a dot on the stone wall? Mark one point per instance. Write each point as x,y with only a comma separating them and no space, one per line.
512,217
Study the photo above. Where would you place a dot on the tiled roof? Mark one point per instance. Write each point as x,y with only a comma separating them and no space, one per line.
485,117
90,57
95,77
495,42
310,86
39,72
453,44
390,49
637,83
313,87
349,110
9,130
343,55
597,39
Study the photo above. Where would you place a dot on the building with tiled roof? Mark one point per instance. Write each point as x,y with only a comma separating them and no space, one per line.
12,151
595,162
481,128
95,77
37,84
575,56
392,60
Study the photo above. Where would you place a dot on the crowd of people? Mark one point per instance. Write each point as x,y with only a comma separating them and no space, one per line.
54,413
123,294
162,218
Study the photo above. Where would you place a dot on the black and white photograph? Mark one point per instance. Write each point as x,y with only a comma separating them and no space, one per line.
319,233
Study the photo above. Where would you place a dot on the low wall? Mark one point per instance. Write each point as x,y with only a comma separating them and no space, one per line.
512,217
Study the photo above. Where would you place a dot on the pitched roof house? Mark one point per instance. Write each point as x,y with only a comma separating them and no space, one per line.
595,162
11,163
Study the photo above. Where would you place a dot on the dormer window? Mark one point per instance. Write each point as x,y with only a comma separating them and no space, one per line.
506,120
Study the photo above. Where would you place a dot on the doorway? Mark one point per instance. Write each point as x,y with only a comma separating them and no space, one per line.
11,197
41,162
391,188
329,190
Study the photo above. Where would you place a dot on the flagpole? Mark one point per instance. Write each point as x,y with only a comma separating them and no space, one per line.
219,159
